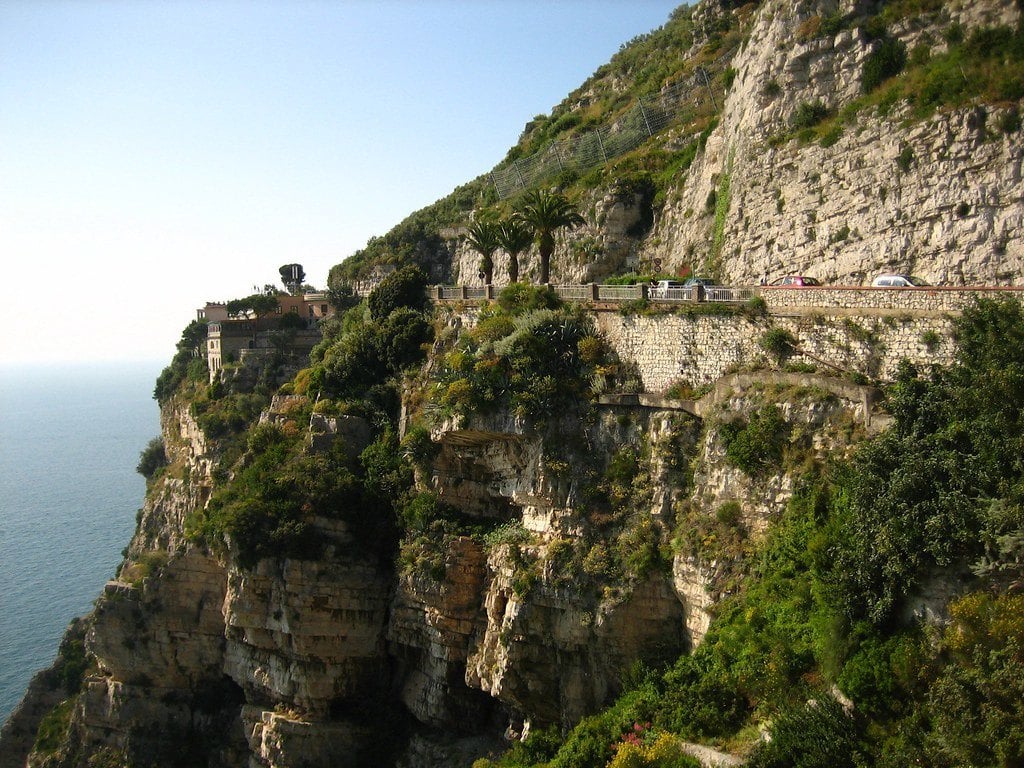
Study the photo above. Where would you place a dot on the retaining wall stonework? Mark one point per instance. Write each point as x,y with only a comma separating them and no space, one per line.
698,350
838,330
935,299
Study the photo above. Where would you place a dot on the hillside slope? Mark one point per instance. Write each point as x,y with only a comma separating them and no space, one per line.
465,534
837,139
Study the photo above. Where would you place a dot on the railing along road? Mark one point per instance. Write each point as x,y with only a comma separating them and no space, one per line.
597,293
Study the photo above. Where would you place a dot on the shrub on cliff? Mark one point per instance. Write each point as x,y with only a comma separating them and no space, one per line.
267,508
755,445
188,362
533,362
405,287
887,60
152,459
362,354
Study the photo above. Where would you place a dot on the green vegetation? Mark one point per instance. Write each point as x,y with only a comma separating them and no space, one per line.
152,459
268,508
808,114
53,729
887,60
721,207
544,213
362,353
188,363
822,594
755,445
527,355
778,342
483,238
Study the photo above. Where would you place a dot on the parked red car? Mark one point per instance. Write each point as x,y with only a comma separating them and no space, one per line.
801,280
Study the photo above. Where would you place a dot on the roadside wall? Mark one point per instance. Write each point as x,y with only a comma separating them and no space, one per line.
699,350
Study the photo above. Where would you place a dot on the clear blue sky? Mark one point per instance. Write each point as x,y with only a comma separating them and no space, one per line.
156,155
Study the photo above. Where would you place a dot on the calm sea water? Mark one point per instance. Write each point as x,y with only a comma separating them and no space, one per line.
70,437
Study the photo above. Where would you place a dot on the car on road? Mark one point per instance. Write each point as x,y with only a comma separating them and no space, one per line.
898,281
707,282
797,280
661,286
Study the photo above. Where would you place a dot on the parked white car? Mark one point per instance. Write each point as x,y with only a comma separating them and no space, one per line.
660,290
898,281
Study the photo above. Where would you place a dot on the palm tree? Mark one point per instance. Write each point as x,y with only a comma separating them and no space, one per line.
514,237
545,213
483,238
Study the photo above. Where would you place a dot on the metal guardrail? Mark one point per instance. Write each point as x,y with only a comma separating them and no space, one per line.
725,295
673,294
599,292
621,292
574,292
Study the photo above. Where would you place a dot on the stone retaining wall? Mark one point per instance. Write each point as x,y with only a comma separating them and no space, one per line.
698,350
936,299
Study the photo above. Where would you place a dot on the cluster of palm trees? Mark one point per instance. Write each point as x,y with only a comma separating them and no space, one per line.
537,218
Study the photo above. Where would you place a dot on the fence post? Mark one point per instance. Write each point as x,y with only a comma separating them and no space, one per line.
595,292
644,113
707,83
600,143
515,164
465,292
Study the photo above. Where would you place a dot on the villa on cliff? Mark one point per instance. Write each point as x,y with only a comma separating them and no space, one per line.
245,337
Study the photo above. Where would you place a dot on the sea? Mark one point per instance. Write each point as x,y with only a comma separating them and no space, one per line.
70,439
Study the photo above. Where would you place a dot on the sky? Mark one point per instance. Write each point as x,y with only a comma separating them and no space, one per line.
159,154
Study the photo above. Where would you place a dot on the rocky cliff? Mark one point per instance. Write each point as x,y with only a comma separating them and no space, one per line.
342,660
877,184
528,570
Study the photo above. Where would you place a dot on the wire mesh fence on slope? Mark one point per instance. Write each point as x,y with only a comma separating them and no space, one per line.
592,148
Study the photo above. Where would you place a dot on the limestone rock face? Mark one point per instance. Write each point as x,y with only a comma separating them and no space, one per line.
307,634
602,246
430,633
938,197
282,740
158,648
554,657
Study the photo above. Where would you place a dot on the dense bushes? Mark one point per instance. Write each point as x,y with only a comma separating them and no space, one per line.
373,343
976,704
755,445
823,592
405,287
532,361
818,734
887,60
278,489
152,459
188,362
919,497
